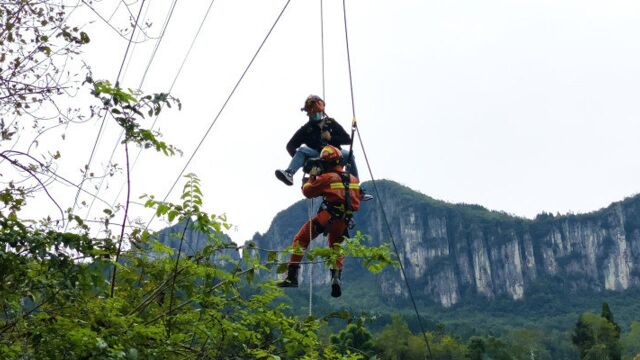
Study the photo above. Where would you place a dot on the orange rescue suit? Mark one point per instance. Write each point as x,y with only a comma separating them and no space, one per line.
330,186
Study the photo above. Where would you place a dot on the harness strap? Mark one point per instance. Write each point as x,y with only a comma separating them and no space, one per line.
346,181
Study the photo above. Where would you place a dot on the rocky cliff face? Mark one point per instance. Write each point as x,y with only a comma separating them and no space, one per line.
453,251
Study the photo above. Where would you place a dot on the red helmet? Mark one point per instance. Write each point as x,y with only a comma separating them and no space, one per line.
331,154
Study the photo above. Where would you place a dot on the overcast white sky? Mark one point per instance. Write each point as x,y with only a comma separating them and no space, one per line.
521,106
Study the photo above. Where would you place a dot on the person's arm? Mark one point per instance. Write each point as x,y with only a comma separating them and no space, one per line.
296,140
338,135
315,186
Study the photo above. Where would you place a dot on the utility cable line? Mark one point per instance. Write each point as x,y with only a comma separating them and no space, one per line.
118,142
95,144
175,79
155,48
129,168
126,68
132,17
108,22
354,128
215,119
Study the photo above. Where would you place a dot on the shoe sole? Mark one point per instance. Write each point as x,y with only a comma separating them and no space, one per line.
287,286
283,178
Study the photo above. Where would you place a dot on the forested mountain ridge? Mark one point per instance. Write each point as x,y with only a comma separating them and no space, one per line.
456,251
194,241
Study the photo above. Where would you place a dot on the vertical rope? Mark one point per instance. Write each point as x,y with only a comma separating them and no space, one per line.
312,207
346,35
310,265
322,48
353,103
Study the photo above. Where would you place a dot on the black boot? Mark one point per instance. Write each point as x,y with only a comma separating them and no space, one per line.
336,291
292,277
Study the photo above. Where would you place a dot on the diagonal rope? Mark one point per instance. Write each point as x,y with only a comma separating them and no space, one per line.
354,127
215,119
395,247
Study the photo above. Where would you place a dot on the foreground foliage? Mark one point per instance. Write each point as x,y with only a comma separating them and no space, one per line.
165,305
67,295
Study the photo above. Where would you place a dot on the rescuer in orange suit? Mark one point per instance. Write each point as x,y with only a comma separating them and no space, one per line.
328,180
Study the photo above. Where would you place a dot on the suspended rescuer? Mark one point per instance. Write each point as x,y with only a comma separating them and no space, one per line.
309,140
340,193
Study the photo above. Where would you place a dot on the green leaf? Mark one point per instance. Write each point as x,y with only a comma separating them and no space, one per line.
161,248
84,38
172,215
282,268
250,275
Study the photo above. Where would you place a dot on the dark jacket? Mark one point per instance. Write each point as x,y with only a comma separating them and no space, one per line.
309,134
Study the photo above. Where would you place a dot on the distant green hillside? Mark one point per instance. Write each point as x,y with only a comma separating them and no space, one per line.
468,265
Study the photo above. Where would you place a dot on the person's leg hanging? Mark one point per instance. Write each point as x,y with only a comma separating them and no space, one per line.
336,236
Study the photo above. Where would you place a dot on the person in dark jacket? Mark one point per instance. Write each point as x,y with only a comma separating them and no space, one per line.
309,140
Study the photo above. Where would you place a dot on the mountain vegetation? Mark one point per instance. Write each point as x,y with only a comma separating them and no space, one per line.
68,294
188,292
441,244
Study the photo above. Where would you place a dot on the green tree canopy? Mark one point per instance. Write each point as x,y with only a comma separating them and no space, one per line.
594,333
393,340
607,314
525,344
631,341
355,338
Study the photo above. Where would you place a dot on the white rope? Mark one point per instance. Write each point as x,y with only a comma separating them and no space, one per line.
310,211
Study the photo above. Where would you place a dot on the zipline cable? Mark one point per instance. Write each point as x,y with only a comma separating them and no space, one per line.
354,127
95,143
223,107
